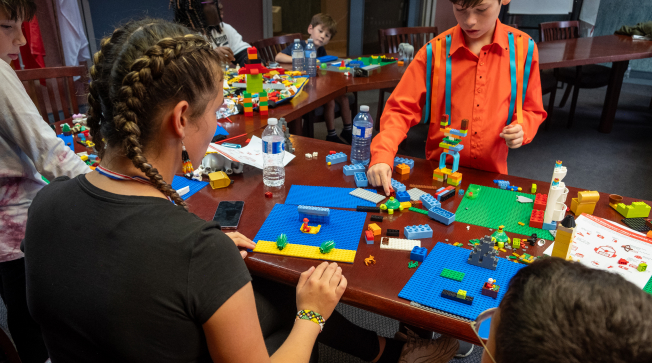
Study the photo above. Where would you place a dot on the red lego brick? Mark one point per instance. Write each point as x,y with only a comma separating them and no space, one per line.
332,152
622,261
536,219
268,194
540,201
450,187
369,235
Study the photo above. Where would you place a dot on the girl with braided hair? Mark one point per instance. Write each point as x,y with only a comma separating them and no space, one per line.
140,279
206,17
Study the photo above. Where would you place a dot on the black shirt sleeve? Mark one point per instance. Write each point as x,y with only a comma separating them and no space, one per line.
288,50
216,272
321,51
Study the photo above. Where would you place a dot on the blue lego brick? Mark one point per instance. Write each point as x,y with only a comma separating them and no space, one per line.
318,211
180,182
426,285
441,215
336,158
403,196
429,201
398,186
68,141
439,190
369,241
361,180
484,255
550,226
444,196
352,169
418,254
408,162
450,295
513,188
325,197
502,184
458,133
345,228
461,192
418,232
313,219
457,148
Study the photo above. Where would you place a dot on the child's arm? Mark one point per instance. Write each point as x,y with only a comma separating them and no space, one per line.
283,58
518,134
21,123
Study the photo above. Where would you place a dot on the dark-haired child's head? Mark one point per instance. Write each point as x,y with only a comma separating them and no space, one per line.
477,17
322,29
561,311
153,78
198,15
12,14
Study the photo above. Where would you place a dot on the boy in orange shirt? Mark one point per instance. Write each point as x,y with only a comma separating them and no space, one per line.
481,71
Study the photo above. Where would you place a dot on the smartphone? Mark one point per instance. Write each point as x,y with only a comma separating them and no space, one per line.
228,214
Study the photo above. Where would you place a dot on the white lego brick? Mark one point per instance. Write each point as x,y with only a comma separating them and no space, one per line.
367,195
399,244
308,156
314,155
415,194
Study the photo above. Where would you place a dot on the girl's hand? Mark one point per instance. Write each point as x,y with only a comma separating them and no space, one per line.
513,135
241,242
380,175
226,52
320,289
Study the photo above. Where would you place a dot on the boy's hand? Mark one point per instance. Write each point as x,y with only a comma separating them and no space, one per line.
513,135
226,52
380,175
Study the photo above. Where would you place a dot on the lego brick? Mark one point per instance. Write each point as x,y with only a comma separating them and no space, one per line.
451,274
637,224
402,169
376,218
418,254
369,237
373,227
367,195
362,208
588,196
318,211
418,210
361,180
352,169
445,194
324,197
468,300
398,186
441,215
578,208
426,285
336,158
406,205
345,228
398,244
635,210
415,193
483,254
423,186
392,233
536,218
429,201
302,251
540,201
408,162
403,196
494,207
534,188
490,293
180,182
418,232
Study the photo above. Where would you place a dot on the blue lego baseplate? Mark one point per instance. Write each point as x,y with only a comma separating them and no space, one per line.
336,158
418,232
361,179
325,197
179,182
408,162
68,141
220,131
426,285
352,169
345,228
398,186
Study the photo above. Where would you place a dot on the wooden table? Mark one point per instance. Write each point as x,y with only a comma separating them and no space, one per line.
617,49
374,288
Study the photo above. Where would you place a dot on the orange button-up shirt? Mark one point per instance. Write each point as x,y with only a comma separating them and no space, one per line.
480,93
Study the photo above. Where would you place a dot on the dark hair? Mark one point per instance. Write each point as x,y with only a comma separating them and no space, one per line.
468,3
326,21
191,14
19,9
562,311
141,68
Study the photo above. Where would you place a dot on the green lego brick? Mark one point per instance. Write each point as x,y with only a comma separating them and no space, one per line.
246,94
648,286
418,210
495,207
413,264
263,103
248,104
453,275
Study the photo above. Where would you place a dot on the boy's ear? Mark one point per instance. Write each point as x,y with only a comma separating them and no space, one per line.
309,28
505,2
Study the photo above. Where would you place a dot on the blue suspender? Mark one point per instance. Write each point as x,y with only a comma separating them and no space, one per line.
426,110
512,72
528,65
448,76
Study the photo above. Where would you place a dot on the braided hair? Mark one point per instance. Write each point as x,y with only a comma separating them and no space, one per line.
190,13
140,69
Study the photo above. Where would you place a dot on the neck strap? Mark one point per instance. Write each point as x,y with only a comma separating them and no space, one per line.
121,177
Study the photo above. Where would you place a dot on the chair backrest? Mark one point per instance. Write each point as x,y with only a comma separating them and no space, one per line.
415,36
59,78
270,47
515,26
559,30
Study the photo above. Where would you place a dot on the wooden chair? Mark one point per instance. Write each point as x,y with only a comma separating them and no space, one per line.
270,47
55,78
588,76
389,41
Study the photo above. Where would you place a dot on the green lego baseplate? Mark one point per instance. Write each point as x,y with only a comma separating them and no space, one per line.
648,286
452,274
496,207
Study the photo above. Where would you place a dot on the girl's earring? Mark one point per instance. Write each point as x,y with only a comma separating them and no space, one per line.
187,164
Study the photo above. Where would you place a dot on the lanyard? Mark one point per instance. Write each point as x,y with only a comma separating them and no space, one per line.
121,177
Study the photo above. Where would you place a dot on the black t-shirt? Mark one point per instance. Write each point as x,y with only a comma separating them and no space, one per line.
114,278
321,51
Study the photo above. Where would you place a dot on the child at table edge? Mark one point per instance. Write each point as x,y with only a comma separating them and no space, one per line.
322,29
476,95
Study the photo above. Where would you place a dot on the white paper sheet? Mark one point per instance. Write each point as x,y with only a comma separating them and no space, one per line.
600,244
252,154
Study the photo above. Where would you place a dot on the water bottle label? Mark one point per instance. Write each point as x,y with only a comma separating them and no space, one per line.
277,147
363,132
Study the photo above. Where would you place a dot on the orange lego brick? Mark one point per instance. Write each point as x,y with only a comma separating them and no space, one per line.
403,169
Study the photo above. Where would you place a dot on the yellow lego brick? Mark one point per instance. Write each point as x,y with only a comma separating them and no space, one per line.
461,294
454,182
313,229
406,205
456,175
502,250
84,157
579,208
302,251
588,197
373,227
515,254
219,179
521,223
446,171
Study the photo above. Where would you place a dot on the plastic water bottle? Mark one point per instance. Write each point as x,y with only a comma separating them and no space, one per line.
362,130
298,61
273,152
311,59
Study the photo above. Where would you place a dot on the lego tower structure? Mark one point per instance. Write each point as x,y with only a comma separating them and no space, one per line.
452,146
555,207
564,238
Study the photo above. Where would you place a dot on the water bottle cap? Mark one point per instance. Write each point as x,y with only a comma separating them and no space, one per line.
310,40
297,40
272,121
364,108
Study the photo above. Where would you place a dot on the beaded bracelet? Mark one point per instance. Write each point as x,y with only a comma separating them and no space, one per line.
312,316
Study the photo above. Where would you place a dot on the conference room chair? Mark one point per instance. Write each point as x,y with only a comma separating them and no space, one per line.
588,76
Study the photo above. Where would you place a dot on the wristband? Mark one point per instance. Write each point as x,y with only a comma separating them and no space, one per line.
312,316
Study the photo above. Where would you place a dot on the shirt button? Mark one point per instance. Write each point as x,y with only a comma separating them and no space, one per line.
481,63
479,90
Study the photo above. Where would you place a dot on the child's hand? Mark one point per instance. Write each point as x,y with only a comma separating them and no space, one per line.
320,289
226,52
513,135
241,241
380,175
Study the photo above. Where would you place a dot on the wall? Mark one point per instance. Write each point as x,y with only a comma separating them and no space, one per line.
246,17
297,14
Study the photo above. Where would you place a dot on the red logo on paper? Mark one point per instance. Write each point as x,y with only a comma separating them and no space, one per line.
601,237
606,251
624,267
639,257
580,234
595,263
579,255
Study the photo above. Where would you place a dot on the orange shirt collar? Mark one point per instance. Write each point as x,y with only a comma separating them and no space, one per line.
500,37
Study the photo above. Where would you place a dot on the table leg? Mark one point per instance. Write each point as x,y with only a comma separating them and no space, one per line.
613,94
